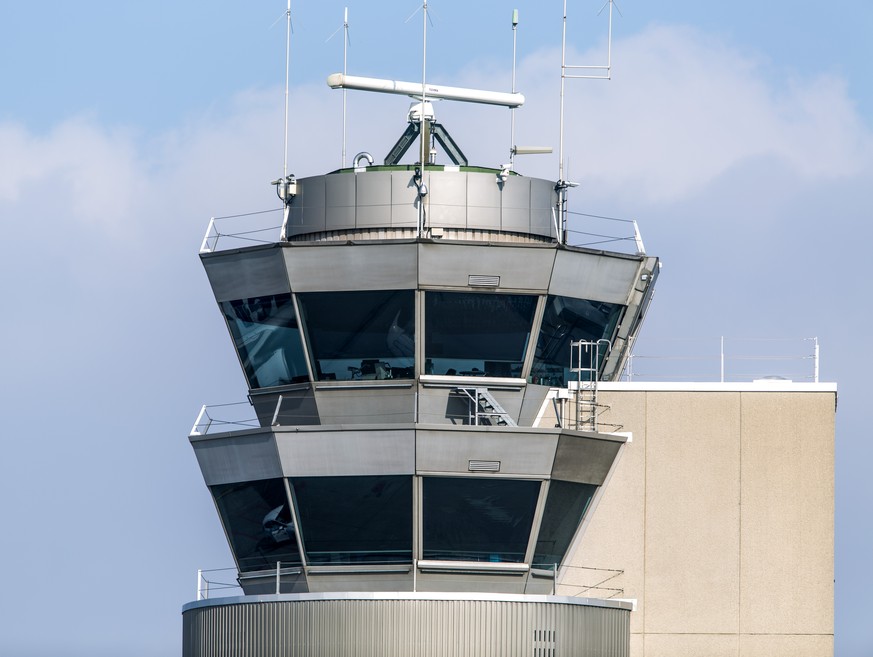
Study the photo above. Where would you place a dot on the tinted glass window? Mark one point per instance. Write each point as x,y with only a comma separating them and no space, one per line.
348,520
360,335
477,334
471,519
566,320
565,506
257,518
267,337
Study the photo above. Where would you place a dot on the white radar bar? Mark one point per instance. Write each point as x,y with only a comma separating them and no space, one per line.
417,90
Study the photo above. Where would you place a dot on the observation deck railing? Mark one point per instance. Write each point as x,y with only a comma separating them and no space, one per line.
264,227
724,359
573,581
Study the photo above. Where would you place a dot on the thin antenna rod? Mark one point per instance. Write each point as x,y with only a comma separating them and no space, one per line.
287,78
562,187
345,62
425,132
512,111
561,123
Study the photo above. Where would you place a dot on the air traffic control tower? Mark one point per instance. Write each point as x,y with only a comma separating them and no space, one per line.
401,341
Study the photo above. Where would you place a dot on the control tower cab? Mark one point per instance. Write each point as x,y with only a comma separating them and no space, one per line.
402,340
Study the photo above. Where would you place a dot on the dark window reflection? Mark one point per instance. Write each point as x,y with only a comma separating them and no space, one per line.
477,334
347,520
566,320
565,506
257,518
360,335
469,519
267,337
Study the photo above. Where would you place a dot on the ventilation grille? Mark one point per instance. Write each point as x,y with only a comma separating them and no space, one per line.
544,643
484,466
478,280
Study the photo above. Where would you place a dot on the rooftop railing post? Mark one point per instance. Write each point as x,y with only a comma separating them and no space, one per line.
199,584
815,360
722,359
278,577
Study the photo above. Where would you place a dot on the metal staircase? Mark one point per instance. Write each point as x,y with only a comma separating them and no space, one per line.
484,409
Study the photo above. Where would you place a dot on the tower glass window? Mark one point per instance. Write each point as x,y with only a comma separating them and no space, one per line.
469,334
360,335
566,504
471,519
566,320
257,519
351,520
267,338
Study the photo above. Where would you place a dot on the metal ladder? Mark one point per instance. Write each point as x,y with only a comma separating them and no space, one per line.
585,363
484,409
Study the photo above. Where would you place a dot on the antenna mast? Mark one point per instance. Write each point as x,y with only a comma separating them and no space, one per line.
512,111
605,74
345,62
286,186
287,77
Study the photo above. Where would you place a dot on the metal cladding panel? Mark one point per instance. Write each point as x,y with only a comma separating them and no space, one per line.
593,276
543,200
519,452
404,628
515,213
534,396
483,201
339,201
349,452
298,407
325,268
250,273
584,459
242,457
373,194
447,200
519,267
371,405
404,200
307,209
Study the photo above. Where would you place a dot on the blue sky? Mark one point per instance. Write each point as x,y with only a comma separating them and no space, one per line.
739,135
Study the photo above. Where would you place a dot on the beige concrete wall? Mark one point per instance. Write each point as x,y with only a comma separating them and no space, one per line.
719,516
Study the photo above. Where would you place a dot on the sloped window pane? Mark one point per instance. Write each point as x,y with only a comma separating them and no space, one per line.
348,520
257,518
267,337
566,320
468,519
470,334
360,335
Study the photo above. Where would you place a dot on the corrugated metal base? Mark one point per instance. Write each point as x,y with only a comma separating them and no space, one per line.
311,626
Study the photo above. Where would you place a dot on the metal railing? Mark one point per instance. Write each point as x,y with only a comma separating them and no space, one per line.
238,230
595,231
724,359
237,415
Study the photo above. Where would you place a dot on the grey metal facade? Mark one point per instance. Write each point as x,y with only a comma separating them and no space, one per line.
425,626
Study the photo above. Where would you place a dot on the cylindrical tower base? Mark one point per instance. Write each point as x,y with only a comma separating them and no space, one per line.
405,625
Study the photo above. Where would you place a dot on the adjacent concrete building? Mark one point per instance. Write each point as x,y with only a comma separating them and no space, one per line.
718,519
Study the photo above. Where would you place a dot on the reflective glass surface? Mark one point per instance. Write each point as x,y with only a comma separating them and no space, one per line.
267,337
360,335
257,519
348,520
470,334
467,519
566,320
566,503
